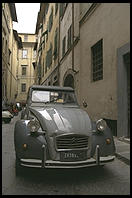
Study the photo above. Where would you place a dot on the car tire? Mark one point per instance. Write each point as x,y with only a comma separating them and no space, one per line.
7,120
18,167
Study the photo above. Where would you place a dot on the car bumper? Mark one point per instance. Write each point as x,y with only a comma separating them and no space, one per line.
95,161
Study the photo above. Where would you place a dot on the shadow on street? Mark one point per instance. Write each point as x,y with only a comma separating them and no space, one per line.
60,176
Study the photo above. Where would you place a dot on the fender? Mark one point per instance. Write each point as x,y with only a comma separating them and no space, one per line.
22,136
100,139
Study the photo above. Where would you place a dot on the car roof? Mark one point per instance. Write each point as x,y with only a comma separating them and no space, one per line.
43,87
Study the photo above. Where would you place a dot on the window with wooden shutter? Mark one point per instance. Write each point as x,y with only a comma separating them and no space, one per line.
51,20
56,8
47,7
63,46
55,44
23,87
23,71
47,33
61,9
46,64
42,74
48,58
69,40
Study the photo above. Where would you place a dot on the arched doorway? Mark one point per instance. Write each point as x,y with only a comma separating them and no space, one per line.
69,81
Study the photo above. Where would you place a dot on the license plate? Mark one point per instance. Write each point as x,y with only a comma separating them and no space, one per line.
73,156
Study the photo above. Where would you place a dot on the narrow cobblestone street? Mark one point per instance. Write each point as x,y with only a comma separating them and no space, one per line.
113,179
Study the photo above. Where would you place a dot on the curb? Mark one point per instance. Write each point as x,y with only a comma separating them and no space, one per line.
125,140
120,157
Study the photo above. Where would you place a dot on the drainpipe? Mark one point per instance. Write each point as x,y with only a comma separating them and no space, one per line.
73,38
59,51
11,70
39,75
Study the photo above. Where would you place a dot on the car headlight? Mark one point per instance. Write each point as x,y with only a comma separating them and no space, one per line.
101,125
33,125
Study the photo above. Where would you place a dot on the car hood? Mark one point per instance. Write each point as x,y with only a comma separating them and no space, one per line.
58,120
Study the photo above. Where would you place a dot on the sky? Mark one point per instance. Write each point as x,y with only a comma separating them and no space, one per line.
27,17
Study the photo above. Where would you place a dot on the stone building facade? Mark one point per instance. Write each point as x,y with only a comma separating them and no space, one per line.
104,82
8,16
93,57
25,69
47,45
13,82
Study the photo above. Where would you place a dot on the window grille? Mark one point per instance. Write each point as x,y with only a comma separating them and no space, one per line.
97,61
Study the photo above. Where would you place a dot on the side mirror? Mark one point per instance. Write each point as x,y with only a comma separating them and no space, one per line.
85,104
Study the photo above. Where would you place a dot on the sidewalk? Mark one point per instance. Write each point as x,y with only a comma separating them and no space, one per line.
123,149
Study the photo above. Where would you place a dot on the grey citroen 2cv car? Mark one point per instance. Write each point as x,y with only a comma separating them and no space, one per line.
54,132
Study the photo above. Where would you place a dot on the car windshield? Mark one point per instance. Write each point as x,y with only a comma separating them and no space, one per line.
53,96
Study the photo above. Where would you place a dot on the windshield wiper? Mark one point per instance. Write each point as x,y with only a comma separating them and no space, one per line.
46,102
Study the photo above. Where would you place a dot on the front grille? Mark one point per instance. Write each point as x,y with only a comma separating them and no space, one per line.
73,141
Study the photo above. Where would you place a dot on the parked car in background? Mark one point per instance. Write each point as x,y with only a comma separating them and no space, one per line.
15,110
54,132
6,115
